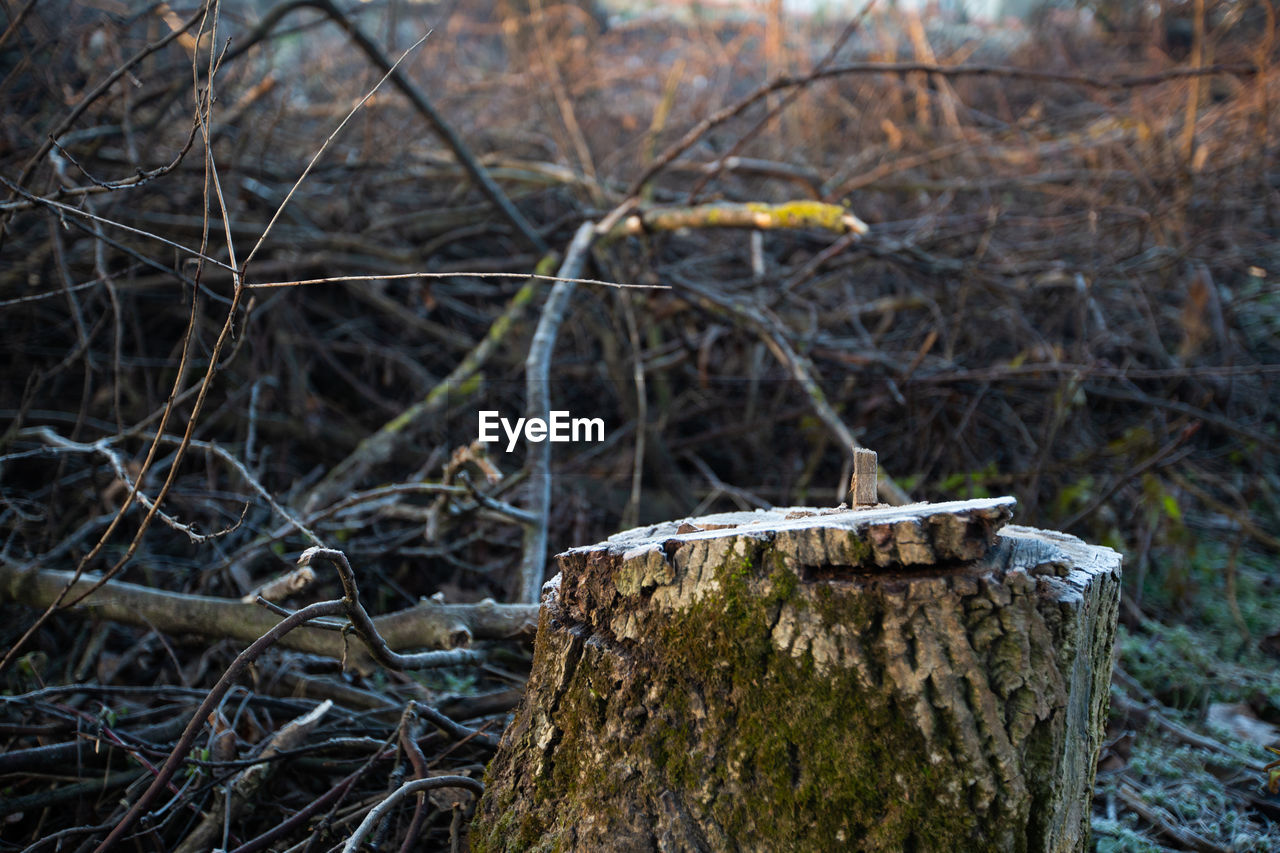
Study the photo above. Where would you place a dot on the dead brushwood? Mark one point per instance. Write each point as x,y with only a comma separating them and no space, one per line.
1066,291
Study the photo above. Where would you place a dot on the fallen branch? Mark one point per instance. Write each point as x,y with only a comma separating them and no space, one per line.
1151,712
1164,822
427,624
70,795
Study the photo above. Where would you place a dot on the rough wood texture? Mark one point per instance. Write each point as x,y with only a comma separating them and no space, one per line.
890,679
862,488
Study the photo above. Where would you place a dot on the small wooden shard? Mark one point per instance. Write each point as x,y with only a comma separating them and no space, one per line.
862,490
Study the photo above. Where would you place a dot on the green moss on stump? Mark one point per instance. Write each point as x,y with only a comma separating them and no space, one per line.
721,647
711,729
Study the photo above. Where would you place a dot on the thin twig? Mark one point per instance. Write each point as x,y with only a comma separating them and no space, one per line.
368,631
462,274
205,384
97,92
381,445
349,605
774,336
324,147
228,679
75,211
1165,824
102,448
420,102
631,515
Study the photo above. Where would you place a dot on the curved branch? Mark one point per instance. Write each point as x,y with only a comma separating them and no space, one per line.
379,811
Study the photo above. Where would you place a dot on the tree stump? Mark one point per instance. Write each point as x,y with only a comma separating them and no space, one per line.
910,678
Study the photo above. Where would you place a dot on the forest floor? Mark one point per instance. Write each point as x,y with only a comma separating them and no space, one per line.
1068,291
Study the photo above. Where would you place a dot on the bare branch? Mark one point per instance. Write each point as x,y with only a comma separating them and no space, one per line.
538,405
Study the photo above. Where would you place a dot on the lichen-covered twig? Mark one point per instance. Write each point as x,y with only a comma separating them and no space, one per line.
757,215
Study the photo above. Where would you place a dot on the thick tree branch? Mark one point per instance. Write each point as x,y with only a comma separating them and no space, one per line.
425,625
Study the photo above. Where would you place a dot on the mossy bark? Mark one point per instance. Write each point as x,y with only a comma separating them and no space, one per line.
891,679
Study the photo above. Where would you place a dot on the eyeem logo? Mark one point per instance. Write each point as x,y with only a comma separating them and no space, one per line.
560,428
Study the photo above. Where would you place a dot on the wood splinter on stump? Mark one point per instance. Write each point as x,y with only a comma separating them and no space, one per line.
862,489
883,679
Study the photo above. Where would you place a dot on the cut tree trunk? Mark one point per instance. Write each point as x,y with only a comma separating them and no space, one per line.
908,678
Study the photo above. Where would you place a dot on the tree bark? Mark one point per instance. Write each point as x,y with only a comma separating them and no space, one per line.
903,678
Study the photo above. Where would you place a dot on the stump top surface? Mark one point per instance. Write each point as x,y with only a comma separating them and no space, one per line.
875,538
800,517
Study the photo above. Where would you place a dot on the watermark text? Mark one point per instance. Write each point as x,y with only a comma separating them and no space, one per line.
560,427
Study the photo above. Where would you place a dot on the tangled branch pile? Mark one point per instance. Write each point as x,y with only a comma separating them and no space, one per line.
1067,292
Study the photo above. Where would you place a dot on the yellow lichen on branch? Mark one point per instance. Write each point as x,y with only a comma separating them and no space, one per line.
755,215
